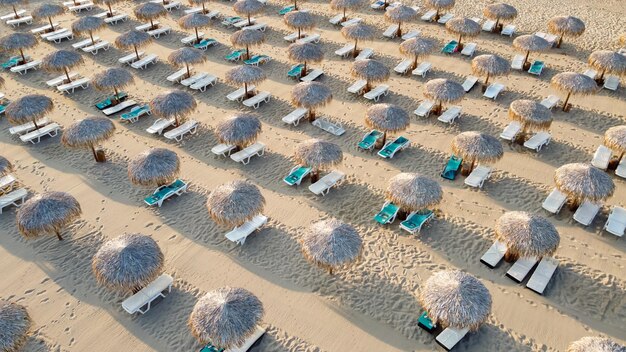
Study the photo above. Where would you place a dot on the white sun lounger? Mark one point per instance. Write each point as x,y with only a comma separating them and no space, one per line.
469,49
478,176
255,101
223,149
12,15
294,117
292,37
172,5
85,42
135,113
350,22
344,50
449,337
554,202
57,38
15,198
469,83
73,85
103,14
312,75
511,131
429,16
6,183
159,31
239,94
257,27
410,34
550,102
493,90
251,340
311,38
19,21
22,69
244,23
202,84
509,30
616,223
324,184
240,233
130,58
84,6
28,126
243,156
35,136
422,69
494,254
57,31
364,54
551,38
489,25
115,19
611,82
103,44
146,26
334,128
591,73
586,212
59,80
162,193
177,76
375,94
521,268
518,62
147,295
543,273
190,39
538,141
42,29
403,67
119,107
450,115
445,18
75,2
601,157
621,168
145,61
179,132
424,109
391,31
159,125
357,87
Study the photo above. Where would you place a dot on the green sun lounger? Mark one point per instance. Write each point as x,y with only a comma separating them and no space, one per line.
451,47
162,193
452,168
369,140
425,323
390,149
13,61
108,102
296,175
415,221
2,108
387,213
256,60
296,71
231,20
285,10
210,348
205,43
235,55
536,68
134,114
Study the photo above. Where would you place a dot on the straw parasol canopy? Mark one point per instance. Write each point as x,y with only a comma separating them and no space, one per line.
12,3
299,20
150,11
526,235
413,192
108,3
530,42
248,7
573,83
48,212
62,61
185,56
239,130
463,27
400,14
174,104
112,78
48,11
128,262
234,203
28,108
331,244
87,133
225,317
88,24
443,90
371,71
490,66
456,299
595,344
200,2
614,138
318,155
356,32
566,26
531,115
244,38
387,118
499,11
607,61
344,5
439,5
5,166
133,39
305,52
194,21
17,42
311,95
15,324
582,182
154,167
245,74
418,47
477,147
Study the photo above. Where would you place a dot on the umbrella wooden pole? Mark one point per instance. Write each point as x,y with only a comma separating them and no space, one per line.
93,42
510,257
93,150
315,175
115,97
414,62
136,52
245,90
399,31
51,24
67,74
330,271
110,10
526,58
356,42
303,70
558,44
566,100
23,57
188,71
249,21
344,14
247,52
495,28
602,75
197,35
487,80
295,5
311,115
204,11
299,35
437,15
176,119
35,123
15,12
459,45
151,24
58,233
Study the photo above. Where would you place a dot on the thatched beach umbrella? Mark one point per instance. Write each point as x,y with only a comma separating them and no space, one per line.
88,24
387,118
186,56
173,104
566,26
573,83
194,21
299,20
15,324
477,147
400,14
595,344
371,71
28,108
318,155
245,38
531,115
490,66
526,235
128,262
200,2
530,42
331,244
582,182
356,32
456,299
305,53
48,11
245,75
239,130
62,61
439,5
607,61
343,5
248,8
12,3
154,167
87,133
149,11
17,42
418,47
5,166
225,317
234,203
615,138
112,78
48,212
498,12
443,90
463,27
311,95
133,39
413,192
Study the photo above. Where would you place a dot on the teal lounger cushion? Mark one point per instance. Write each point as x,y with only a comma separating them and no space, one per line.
297,175
452,168
415,221
386,213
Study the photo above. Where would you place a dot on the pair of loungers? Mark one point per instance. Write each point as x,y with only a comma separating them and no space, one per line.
602,158
389,150
585,213
536,142
247,344
536,68
321,186
448,338
413,223
243,156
